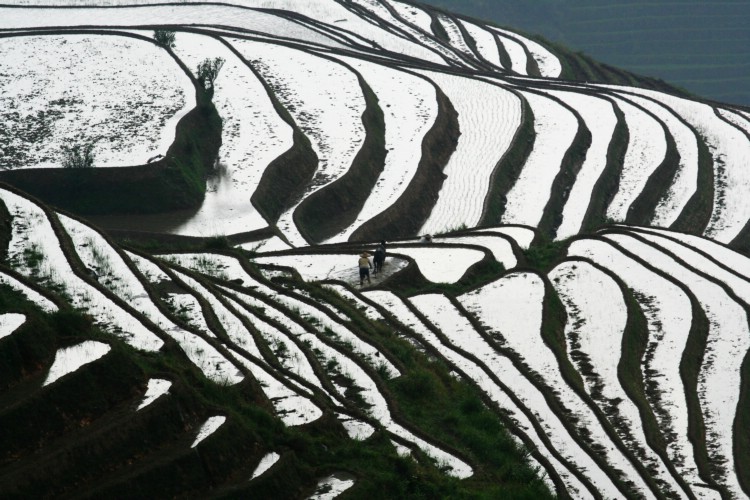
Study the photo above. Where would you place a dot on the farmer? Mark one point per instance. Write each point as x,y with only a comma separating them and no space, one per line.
364,268
379,257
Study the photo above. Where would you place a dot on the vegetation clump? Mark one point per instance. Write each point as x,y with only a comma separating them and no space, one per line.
78,155
208,71
165,38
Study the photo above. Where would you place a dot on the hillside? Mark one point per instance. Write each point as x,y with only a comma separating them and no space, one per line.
698,46
187,319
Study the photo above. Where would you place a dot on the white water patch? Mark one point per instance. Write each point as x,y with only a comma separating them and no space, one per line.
32,296
148,269
549,65
273,244
268,461
668,318
733,259
555,128
423,42
338,18
291,406
318,314
401,450
730,149
157,387
294,328
726,346
599,117
647,147
461,334
597,318
253,135
499,247
685,182
441,264
112,271
289,355
523,236
123,95
741,121
704,264
342,267
341,333
209,427
330,487
370,312
488,117
485,41
163,15
187,307
232,325
356,429
34,250
455,36
327,103
205,356
70,359
10,322
409,106
518,59
413,14
511,308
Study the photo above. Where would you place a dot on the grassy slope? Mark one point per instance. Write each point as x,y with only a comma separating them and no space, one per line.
84,433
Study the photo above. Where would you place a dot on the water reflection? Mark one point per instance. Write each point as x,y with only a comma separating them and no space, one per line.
226,210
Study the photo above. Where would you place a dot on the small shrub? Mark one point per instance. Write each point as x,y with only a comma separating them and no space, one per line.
542,256
78,156
165,38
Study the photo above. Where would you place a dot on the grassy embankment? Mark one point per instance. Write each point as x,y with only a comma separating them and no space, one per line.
570,166
285,179
553,333
609,182
408,213
690,367
327,211
509,168
453,411
641,211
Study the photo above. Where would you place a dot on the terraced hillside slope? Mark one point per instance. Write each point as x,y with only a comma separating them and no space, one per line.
585,287
695,45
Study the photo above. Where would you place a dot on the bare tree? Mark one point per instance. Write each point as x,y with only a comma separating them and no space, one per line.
208,71
164,38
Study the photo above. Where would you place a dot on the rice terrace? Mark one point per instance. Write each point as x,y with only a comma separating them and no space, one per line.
192,193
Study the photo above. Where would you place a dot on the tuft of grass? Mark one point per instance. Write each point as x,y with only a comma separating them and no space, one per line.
543,255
